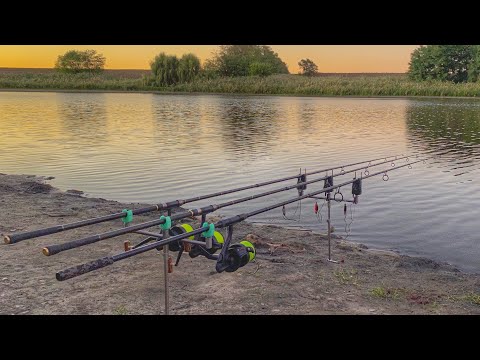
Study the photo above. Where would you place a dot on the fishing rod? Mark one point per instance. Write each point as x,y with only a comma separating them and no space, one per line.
238,218
230,257
128,214
55,249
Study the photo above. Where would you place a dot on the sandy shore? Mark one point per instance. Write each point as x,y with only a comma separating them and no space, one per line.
290,276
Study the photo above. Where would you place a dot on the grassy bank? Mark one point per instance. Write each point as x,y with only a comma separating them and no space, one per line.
326,85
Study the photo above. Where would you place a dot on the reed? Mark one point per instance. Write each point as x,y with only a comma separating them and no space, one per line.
283,84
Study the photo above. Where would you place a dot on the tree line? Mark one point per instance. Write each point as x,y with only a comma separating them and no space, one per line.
227,61
455,63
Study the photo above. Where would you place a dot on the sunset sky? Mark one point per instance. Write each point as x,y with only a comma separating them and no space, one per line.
329,58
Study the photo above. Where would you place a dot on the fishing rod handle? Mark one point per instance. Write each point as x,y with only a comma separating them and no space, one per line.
84,268
55,249
14,238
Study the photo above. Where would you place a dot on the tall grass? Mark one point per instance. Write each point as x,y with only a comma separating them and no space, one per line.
333,85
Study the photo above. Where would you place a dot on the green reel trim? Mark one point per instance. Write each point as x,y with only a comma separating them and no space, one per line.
248,244
167,224
128,216
219,237
188,228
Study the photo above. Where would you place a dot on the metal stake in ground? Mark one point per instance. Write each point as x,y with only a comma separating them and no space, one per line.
165,227
165,270
329,233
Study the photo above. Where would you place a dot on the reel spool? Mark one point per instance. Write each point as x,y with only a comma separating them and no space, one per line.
217,244
237,255
177,230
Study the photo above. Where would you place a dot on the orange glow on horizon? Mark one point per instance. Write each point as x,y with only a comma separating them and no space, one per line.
329,58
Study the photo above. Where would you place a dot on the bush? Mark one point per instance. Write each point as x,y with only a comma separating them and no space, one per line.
260,69
309,68
455,63
165,69
236,60
75,61
188,68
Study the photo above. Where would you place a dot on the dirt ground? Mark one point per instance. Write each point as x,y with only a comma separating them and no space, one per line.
290,275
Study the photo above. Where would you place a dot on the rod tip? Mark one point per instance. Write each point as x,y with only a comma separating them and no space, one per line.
45,251
7,239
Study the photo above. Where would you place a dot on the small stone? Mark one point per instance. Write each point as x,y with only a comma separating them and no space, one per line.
371,310
275,310
3,279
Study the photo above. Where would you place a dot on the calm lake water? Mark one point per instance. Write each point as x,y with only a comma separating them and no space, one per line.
156,148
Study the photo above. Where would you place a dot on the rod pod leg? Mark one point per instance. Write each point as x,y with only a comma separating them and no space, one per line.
165,272
329,233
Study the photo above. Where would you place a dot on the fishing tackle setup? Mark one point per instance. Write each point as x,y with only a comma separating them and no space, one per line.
206,240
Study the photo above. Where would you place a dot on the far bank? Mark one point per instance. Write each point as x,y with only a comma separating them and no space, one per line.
361,85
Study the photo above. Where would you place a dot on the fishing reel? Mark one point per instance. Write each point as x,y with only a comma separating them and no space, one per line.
233,257
217,244
177,230
236,256
194,250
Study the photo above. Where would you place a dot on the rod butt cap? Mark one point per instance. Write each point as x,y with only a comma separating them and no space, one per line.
7,239
45,251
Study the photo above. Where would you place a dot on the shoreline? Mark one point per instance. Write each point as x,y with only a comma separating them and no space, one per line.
290,276
156,92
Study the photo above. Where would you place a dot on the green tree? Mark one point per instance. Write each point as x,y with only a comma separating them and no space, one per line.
474,68
75,61
456,63
210,69
188,67
308,67
165,69
236,60
260,69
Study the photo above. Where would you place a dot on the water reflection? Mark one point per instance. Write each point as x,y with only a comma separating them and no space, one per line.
176,122
445,129
249,126
83,119
155,148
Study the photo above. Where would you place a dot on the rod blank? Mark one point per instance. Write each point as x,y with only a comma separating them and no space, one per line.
55,249
241,217
97,264
15,238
